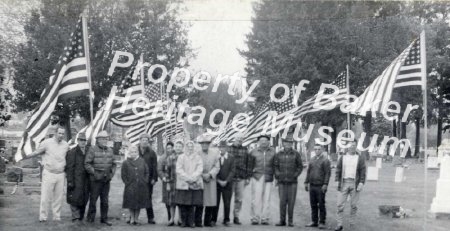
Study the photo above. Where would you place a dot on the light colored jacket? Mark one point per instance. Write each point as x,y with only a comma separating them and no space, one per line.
189,168
211,167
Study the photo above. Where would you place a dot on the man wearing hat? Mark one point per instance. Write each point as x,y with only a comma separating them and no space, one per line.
77,179
288,166
147,153
262,180
211,167
99,163
224,183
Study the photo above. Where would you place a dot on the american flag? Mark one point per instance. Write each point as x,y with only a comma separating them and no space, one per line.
256,124
229,132
408,69
68,79
124,115
173,130
308,106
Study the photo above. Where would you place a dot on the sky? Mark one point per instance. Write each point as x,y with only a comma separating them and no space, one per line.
217,31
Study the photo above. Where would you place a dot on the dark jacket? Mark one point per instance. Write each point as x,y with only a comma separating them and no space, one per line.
77,178
227,170
134,175
319,171
99,163
360,171
263,163
152,162
243,162
287,165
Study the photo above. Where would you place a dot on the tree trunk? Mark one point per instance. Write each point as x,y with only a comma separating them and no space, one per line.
367,124
394,128
417,148
439,128
333,140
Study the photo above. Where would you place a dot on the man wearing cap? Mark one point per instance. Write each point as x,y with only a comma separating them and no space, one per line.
288,166
211,167
243,171
316,182
147,153
77,179
53,151
99,163
224,183
262,180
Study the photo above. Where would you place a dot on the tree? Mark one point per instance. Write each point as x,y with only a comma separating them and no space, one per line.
150,28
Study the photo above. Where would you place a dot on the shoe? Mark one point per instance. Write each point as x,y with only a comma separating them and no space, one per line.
255,223
206,225
43,220
281,224
339,228
106,223
236,221
312,225
213,223
226,223
193,226
198,225
171,224
291,224
322,226
264,223
151,221
136,223
183,225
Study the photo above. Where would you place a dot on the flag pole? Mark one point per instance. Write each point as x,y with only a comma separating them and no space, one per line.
425,111
347,83
141,60
88,63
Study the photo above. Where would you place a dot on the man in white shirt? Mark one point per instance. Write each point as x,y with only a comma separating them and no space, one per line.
351,175
54,151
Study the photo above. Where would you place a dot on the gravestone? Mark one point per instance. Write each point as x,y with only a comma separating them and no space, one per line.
399,175
441,203
433,162
379,162
372,173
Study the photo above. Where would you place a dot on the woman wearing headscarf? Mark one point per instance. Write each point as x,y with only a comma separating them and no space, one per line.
189,184
135,177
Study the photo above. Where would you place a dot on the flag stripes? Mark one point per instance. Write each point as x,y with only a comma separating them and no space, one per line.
68,79
405,70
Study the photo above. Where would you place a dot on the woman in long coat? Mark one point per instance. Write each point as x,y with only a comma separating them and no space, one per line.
135,177
189,185
167,173
77,179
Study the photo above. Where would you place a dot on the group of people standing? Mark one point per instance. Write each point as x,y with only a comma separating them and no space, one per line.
194,180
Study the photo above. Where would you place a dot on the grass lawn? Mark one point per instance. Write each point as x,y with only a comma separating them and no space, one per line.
20,211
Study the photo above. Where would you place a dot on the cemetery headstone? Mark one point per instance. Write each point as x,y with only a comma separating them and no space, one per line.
433,162
379,162
399,175
372,173
441,203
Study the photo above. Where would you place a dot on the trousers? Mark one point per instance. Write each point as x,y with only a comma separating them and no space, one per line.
317,202
238,190
98,189
52,191
226,193
261,194
288,193
348,189
150,214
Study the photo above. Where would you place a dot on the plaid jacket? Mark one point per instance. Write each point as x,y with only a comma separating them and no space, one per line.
243,162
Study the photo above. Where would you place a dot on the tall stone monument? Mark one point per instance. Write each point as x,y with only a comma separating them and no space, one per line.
441,203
